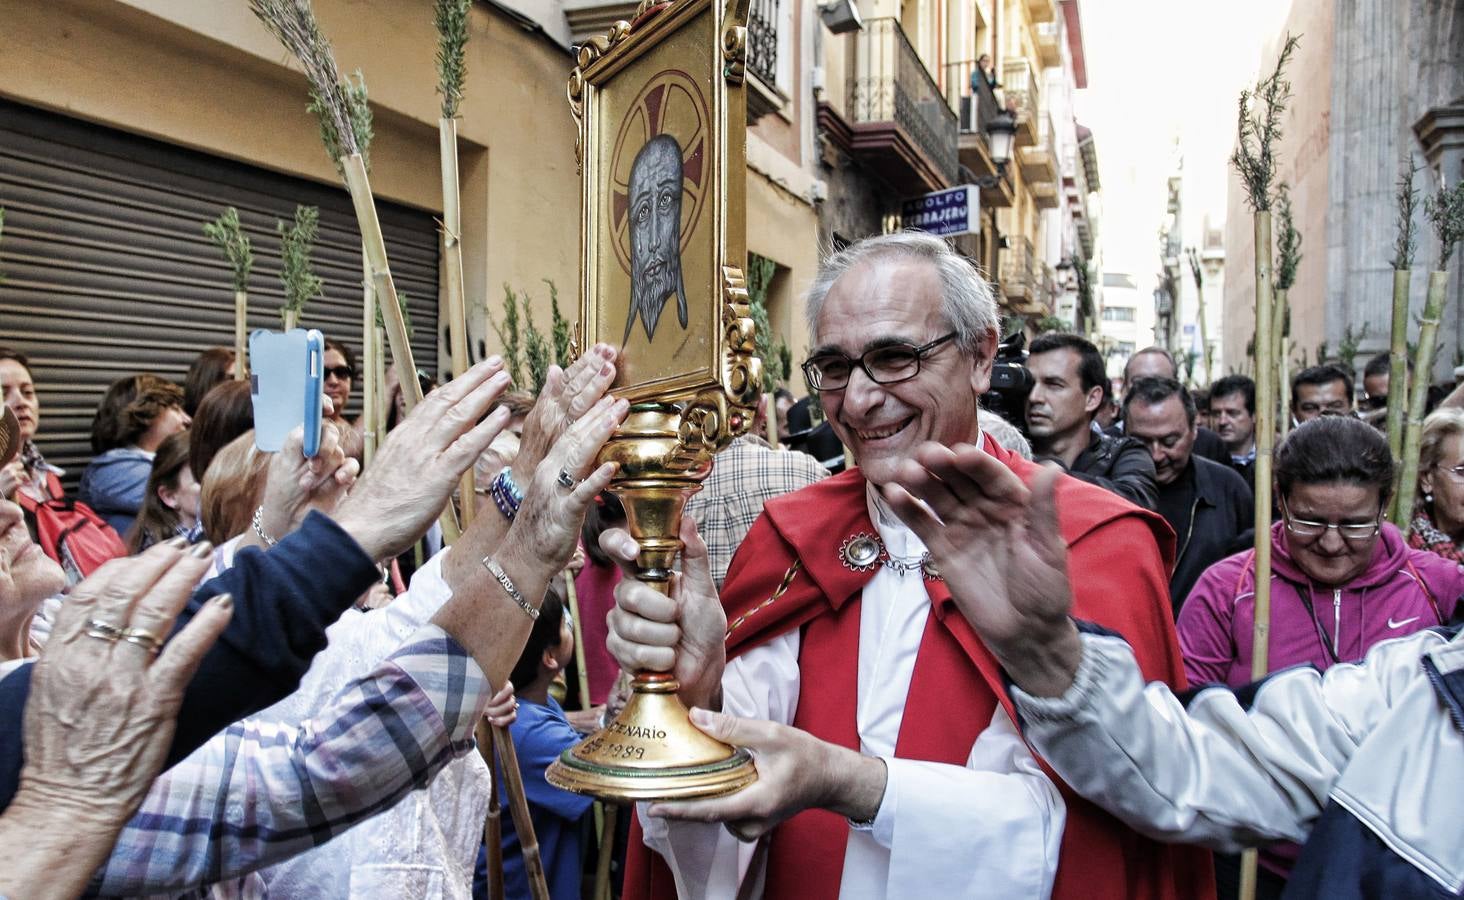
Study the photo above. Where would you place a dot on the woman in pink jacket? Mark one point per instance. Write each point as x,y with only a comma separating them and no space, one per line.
1342,580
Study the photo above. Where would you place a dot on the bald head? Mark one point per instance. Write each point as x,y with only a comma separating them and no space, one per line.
1150,362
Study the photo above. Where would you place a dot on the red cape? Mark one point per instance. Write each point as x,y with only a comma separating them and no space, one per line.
1119,557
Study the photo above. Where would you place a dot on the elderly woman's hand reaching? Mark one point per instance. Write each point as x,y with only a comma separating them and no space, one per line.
101,713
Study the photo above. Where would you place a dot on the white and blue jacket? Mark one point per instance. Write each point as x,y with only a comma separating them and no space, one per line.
1364,765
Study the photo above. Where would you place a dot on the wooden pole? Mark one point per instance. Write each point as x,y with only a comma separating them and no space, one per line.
607,853
572,597
386,298
518,806
386,293
457,316
370,375
1428,330
493,825
1265,439
1279,312
241,333
1398,386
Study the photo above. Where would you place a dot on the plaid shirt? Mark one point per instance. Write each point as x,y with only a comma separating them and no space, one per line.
262,792
747,474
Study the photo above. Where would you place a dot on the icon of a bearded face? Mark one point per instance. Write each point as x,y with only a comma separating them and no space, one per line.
655,234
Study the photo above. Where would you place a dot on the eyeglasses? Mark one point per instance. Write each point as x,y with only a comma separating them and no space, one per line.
1313,530
1454,472
889,364
341,373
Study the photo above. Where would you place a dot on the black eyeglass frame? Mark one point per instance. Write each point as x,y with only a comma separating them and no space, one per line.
814,376
337,370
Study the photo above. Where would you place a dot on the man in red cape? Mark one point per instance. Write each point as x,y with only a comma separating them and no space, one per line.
889,760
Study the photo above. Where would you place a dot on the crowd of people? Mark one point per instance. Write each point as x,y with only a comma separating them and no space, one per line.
972,657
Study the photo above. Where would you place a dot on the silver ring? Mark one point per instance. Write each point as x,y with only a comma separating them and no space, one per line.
566,480
143,638
103,631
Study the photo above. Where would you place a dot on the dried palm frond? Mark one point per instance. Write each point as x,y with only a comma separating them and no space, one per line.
337,103
228,235
296,242
1259,129
1407,240
451,19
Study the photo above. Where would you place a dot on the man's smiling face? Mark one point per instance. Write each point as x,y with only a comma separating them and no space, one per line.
883,300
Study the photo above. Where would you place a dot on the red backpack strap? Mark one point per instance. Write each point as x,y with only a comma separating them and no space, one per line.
1438,613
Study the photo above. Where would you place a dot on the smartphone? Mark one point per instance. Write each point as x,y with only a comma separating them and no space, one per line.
287,386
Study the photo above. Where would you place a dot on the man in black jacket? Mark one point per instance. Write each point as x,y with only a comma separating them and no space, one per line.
1156,362
1207,504
1069,386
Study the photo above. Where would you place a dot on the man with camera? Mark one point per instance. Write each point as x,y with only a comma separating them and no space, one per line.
1069,386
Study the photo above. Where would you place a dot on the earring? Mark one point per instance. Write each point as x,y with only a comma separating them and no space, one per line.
1428,498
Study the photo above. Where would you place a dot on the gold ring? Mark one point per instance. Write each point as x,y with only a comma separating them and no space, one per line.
143,638
103,631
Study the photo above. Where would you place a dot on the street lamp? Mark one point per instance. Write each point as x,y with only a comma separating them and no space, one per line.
1001,133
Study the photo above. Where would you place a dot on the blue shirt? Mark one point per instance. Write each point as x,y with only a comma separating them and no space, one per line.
540,734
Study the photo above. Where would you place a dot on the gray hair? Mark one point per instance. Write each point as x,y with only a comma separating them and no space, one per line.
967,303
1004,433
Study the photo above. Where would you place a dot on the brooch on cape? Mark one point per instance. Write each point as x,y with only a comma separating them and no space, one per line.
863,552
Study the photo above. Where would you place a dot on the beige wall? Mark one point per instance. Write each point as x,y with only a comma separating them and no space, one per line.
784,229
1302,153
205,75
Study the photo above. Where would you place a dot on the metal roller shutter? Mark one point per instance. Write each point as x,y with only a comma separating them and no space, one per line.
107,272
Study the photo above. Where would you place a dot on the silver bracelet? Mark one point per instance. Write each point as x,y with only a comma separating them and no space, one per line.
497,572
258,524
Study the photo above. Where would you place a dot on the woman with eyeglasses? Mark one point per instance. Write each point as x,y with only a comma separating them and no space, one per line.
1438,515
1342,580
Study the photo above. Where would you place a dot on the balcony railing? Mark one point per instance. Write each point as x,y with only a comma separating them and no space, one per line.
762,41
1023,92
892,86
1019,273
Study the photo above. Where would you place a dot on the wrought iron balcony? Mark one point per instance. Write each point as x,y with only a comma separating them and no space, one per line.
762,40
902,125
1023,92
1019,274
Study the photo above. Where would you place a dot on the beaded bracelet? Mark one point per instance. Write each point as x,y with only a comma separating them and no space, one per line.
506,494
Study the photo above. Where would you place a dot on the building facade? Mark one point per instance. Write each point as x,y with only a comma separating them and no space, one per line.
1383,86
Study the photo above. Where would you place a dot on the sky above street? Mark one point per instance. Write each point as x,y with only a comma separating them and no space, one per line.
1161,72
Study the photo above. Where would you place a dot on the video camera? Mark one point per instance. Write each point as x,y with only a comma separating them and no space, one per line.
1010,382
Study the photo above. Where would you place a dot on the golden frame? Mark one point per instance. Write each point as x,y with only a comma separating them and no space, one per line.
685,405
603,78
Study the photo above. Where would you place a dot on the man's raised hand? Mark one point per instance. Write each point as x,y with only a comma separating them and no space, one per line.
999,548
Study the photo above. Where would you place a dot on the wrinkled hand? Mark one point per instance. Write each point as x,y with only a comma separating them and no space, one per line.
296,485
683,633
568,395
502,708
418,467
586,721
11,477
547,526
997,545
101,712
795,771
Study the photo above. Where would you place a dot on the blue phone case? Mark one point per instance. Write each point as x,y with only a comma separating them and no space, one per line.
286,386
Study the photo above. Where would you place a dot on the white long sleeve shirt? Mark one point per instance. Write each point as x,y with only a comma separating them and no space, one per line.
990,829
